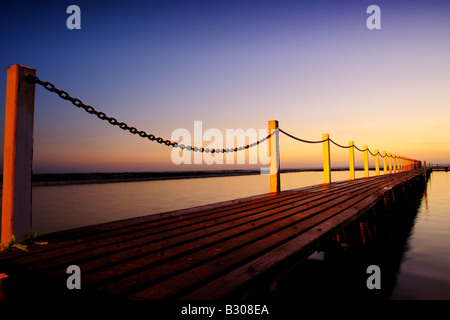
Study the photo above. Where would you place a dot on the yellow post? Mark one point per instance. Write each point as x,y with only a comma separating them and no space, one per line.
377,162
395,162
18,154
390,162
326,158
274,151
352,159
384,162
366,161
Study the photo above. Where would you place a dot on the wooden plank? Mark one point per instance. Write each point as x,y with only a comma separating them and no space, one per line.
85,235
149,259
197,239
96,238
254,247
248,272
83,247
268,232
254,269
84,240
170,228
212,229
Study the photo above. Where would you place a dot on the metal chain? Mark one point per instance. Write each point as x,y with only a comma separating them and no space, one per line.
122,125
301,140
372,153
341,146
337,144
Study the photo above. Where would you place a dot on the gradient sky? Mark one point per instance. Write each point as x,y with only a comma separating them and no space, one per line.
161,65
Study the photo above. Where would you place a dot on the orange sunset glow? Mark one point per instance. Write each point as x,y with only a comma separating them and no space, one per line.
314,69
271,153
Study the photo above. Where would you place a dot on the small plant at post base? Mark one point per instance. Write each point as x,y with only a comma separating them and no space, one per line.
7,245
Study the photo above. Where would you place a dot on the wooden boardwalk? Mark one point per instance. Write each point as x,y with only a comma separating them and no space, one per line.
207,252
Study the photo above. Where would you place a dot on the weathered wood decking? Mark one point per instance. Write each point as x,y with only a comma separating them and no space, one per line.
208,252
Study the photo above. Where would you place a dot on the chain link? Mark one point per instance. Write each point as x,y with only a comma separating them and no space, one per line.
302,140
335,143
122,125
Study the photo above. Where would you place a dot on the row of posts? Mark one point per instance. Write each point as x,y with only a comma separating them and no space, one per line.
18,156
391,162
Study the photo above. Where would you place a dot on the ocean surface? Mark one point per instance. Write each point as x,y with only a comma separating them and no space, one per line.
68,206
425,269
425,263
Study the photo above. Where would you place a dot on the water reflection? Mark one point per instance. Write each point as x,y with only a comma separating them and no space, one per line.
424,272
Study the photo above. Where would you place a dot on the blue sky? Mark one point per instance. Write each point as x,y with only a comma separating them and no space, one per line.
161,65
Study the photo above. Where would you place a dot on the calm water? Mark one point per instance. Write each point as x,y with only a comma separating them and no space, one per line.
425,270
62,207
423,274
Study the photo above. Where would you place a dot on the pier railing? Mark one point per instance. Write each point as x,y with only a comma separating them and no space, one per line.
392,163
18,149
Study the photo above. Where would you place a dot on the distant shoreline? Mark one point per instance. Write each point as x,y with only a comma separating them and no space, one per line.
92,178
55,179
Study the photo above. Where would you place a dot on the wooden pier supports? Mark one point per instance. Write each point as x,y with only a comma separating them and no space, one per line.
18,154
